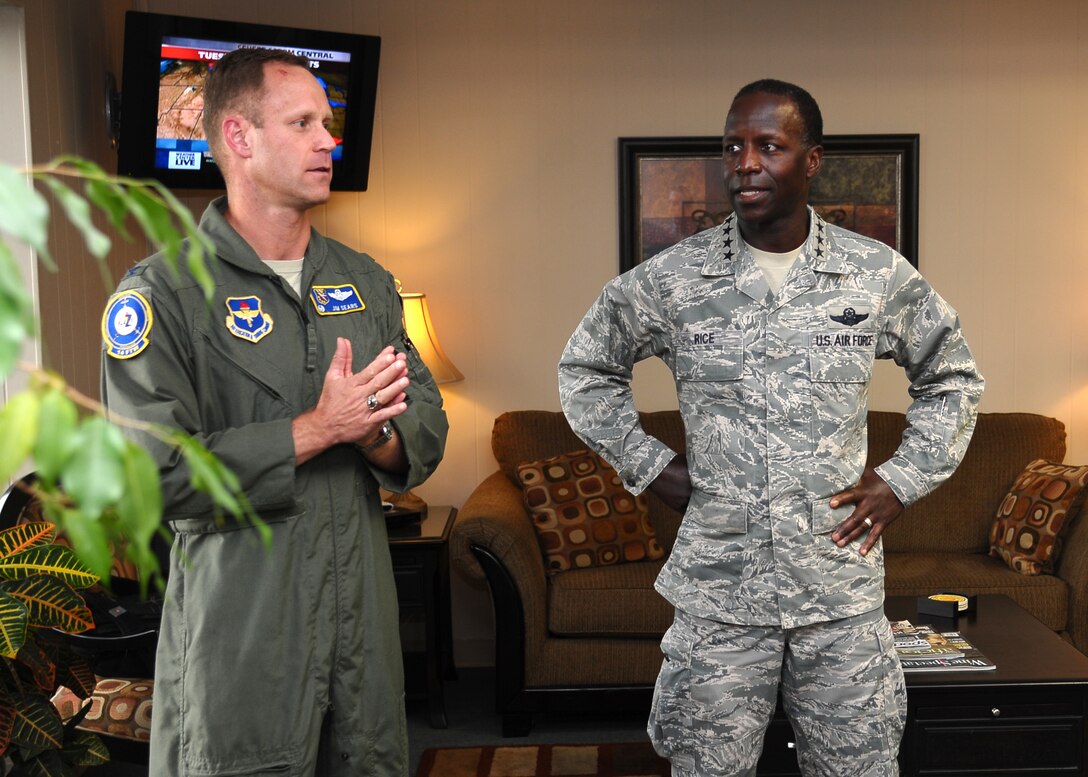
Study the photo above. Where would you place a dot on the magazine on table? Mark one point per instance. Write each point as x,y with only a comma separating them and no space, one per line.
921,649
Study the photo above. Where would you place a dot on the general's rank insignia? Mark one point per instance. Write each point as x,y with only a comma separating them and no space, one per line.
126,324
246,319
336,300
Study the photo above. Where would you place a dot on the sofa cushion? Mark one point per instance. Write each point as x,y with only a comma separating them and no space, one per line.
1027,533
920,574
616,601
582,514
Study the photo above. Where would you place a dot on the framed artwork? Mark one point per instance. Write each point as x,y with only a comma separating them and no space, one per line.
671,188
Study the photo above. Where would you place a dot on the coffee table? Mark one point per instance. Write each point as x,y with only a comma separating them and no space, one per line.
1029,716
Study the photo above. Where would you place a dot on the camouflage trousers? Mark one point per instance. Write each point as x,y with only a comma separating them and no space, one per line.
842,688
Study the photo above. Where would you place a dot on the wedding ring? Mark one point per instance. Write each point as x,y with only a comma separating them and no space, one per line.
868,522
372,402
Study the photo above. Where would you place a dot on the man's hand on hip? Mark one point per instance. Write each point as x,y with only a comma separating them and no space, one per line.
875,506
673,485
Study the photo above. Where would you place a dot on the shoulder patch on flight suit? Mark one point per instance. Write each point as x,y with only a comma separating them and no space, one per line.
126,324
246,320
336,300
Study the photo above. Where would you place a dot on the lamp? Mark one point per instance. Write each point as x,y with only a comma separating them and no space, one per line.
405,510
420,329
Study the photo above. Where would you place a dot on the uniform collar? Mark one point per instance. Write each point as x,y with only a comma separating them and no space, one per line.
729,255
238,252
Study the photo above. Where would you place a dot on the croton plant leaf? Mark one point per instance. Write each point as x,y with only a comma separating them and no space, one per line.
51,602
13,625
56,560
39,663
27,535
37,725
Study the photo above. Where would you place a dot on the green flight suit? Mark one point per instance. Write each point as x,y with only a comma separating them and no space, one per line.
285,659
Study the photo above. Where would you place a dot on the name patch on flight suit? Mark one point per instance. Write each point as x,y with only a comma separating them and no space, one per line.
336,300
126,324
246,319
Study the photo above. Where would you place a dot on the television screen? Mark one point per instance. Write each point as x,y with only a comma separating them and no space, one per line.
166,60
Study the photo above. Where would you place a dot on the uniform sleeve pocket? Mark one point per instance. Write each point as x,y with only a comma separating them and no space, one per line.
845,366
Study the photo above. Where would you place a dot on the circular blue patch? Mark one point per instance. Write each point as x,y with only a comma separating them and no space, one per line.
126,324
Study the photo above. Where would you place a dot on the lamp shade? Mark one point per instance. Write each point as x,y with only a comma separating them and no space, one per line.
420,329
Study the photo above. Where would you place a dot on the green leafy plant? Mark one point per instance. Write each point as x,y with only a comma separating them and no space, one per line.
110,496
98,487
39,597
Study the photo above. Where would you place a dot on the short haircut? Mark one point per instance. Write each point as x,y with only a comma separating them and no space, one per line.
235,84
813,120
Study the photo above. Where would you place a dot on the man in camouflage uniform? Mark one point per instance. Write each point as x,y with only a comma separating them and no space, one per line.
770,324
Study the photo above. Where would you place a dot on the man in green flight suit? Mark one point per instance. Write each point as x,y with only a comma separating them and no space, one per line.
285,659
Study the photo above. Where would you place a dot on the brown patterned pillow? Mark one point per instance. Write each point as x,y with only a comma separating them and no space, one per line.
583,516
119,708
1027,534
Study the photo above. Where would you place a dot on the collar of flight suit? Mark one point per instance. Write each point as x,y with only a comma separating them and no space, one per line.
240,254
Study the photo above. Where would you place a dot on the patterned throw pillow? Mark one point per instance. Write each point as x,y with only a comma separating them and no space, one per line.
1027,534
119,708
583,516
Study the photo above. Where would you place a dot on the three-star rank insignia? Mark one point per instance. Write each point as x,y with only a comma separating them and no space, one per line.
246,319
336,300
126,324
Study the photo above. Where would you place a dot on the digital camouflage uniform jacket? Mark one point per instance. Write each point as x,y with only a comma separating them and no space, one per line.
773,392
265,650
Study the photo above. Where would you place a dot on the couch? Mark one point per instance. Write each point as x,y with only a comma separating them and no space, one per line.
588,638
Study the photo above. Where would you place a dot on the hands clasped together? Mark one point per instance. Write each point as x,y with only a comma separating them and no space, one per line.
353,406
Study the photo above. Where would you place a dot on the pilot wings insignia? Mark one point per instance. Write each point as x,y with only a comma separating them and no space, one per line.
849,317
336,300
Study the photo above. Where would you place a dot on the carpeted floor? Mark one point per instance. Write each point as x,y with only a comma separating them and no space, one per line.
470,709
622,759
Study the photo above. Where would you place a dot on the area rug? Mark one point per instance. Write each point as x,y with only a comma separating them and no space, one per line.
622,759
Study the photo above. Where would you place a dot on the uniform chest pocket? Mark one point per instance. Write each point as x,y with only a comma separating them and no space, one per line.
841,366
720,358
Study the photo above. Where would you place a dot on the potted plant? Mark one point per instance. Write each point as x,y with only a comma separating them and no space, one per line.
39,601
100,489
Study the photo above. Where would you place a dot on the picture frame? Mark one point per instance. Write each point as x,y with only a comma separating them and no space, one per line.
672,187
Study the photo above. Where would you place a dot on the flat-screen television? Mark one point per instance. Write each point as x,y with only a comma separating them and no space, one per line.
166,60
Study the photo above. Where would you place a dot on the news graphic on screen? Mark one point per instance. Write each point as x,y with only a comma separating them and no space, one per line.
180,143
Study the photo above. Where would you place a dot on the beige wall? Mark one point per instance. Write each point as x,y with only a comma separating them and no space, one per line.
494,176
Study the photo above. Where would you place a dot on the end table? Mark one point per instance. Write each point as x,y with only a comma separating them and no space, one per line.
421,570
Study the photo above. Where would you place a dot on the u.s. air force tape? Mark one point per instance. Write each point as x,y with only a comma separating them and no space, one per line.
126,324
